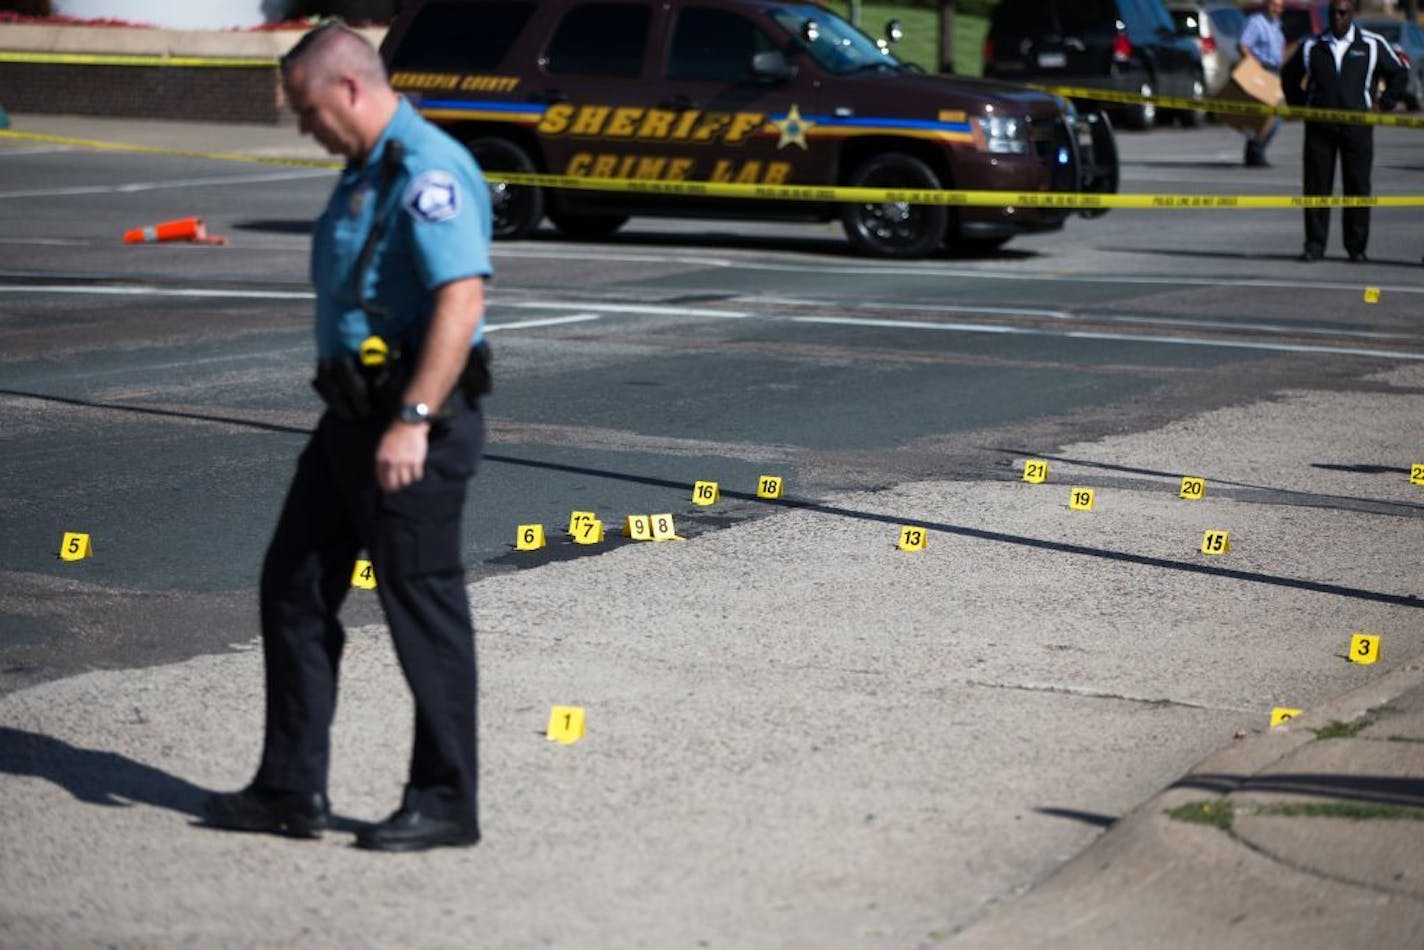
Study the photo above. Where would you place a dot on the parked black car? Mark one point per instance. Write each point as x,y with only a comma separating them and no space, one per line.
1122,45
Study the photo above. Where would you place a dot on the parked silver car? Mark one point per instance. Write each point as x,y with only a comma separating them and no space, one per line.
1216,28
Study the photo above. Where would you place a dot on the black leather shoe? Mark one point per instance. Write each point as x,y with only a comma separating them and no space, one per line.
295,814
1310,255
1358,257
409,830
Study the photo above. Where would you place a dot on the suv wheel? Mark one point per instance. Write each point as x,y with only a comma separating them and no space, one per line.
894,228
1194,118
587,225
1142,117
515,209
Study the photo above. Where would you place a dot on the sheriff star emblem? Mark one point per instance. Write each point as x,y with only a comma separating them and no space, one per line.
793,129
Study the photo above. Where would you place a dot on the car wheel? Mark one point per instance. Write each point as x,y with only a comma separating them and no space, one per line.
1194,118
515,210
587,225
1142,117
895,228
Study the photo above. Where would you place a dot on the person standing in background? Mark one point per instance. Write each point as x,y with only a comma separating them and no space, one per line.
1264,41
1341,69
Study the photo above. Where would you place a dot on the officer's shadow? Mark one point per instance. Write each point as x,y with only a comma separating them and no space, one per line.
107,778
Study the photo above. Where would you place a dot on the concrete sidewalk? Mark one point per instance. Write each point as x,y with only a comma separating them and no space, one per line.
1310,835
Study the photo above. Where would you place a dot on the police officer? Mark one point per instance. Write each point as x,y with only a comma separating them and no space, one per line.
1340,69
399,259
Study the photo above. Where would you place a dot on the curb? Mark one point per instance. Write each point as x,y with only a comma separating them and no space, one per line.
1144,848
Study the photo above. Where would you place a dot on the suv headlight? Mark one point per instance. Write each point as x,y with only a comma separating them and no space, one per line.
1002,134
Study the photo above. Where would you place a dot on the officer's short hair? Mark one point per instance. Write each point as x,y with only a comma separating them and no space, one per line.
334,47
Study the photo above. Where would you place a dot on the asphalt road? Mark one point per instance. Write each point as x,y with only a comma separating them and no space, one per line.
799,735
155,397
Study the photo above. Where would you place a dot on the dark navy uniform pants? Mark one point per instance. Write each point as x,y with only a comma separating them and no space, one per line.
334,509
1354,146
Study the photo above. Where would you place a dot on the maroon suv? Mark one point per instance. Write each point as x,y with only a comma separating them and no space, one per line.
743,91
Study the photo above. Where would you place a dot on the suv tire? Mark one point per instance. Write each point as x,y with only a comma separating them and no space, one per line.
895,229
587,225
1143,116
515,210
1194,118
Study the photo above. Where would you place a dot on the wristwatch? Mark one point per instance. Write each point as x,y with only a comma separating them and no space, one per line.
414,413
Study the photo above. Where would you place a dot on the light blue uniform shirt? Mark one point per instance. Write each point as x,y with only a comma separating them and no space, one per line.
1265,39
437,212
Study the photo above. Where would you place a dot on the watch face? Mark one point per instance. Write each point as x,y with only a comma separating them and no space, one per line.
419,412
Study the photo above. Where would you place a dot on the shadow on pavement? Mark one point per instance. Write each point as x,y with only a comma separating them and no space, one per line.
1376,789
1212,480
109,779
95,776
1073,814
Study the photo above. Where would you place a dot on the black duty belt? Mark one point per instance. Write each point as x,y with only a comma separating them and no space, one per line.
359,392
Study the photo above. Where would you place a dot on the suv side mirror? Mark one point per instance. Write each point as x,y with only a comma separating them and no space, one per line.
810,32
772,64
894,32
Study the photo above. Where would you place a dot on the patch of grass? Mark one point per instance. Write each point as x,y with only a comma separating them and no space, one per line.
1355,811
1218,814
921,42
1404,739
1385,710
1336,729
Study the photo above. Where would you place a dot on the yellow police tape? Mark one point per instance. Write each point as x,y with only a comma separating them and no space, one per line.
126,59
817,193
964,199
1236,107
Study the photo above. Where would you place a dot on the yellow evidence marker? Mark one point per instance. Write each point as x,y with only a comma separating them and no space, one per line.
1193,488
565,724
530,538
912,538
577,519
1372,295
1081,499
705,493
590,532
1364,648
75,547
663,528
363,575
1416,474
638,527
1283,714
1035,471
1216,542
769,486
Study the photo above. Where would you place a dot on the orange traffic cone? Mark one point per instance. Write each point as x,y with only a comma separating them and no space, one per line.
184,229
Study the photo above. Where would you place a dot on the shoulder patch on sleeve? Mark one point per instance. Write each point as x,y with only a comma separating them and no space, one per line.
433,196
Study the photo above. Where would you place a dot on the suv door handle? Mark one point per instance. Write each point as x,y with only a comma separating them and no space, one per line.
678,102
549,96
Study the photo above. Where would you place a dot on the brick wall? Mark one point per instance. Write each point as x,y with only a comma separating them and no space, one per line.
202,93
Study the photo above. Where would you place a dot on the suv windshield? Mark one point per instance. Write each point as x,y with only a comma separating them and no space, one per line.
840,48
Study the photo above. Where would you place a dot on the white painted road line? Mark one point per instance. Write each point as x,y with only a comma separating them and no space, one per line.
550,322
134,186
650,309
1111,337
140,290
801,266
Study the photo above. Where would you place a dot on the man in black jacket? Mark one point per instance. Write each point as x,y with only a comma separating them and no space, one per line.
1341,69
